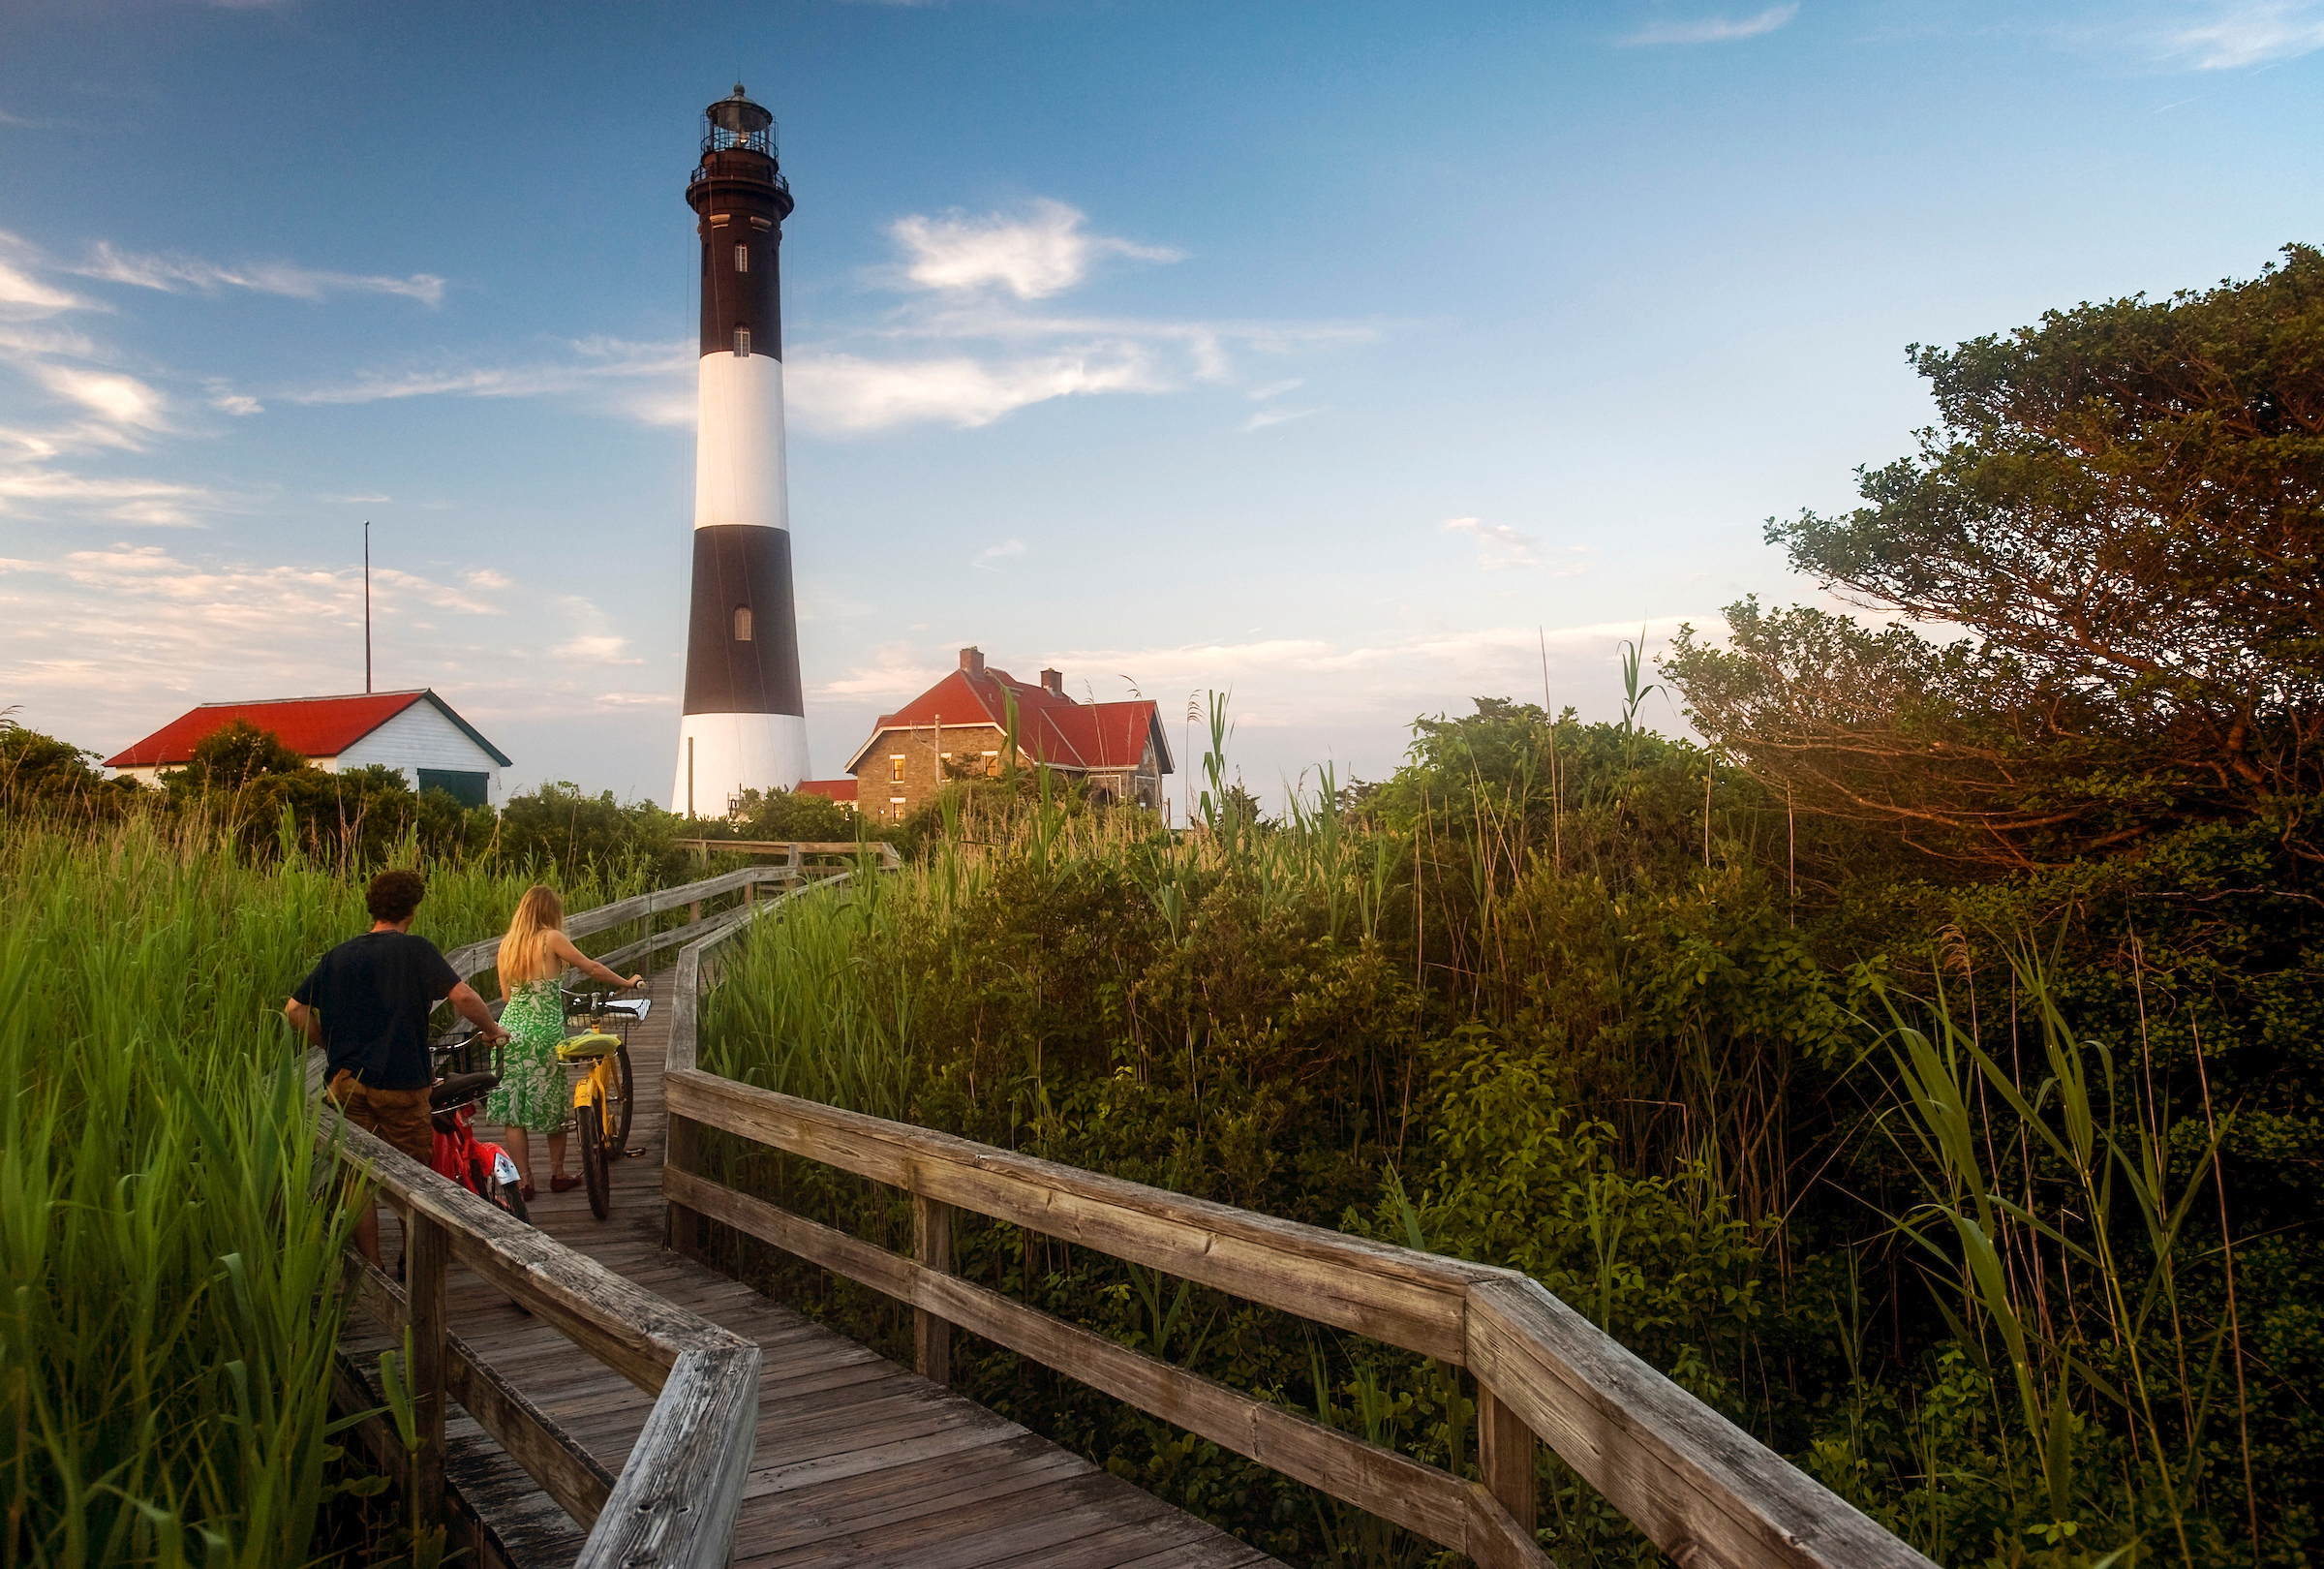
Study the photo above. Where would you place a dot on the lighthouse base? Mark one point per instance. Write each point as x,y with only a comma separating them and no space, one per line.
719,756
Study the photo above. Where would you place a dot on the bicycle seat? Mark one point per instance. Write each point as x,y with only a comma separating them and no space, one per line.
580,1048
460,1088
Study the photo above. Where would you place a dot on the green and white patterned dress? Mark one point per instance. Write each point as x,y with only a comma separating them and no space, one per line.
533,1094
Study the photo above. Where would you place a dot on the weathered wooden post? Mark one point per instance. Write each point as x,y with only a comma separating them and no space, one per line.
932,1246
1504,1455
428,1251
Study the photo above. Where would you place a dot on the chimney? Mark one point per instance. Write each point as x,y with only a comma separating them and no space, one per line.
1053,682
972,660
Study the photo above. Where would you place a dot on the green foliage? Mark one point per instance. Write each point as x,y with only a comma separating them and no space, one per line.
2124,508
796,815
170,1270
1582,1001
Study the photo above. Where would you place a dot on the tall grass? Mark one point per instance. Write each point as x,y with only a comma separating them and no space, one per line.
168,1275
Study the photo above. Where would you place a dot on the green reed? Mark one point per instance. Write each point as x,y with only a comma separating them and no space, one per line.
169,1247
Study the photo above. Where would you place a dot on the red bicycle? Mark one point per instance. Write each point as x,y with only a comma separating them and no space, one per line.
483,1169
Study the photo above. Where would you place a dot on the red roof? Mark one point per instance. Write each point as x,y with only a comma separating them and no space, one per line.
311,726
1050,728
839,789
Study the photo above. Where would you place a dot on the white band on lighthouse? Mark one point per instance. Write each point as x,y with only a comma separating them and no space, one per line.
719,755
739,462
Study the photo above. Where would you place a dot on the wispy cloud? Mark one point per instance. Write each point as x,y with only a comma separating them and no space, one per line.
960,350
1032,255
146,502
651,381
175,274
843,393
993,553
104,644
23,296
1498,545
2222,37
1277,416
1711,29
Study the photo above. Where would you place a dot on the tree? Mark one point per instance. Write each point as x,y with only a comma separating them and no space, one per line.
2124,508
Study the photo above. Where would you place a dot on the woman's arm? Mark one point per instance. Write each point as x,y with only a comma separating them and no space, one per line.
561,946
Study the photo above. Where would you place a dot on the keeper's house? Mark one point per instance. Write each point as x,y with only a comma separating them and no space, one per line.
957,729
415,733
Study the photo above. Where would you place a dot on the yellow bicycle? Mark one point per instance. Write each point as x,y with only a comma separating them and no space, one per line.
601,1106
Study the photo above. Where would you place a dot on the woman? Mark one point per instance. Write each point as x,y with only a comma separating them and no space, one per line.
532,1098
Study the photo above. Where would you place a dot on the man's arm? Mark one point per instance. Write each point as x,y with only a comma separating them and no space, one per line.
470,1006
305,1020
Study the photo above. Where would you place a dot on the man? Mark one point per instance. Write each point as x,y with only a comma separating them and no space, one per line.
367,1005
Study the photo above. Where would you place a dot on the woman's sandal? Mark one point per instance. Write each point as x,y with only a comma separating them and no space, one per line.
564,1185
529,1191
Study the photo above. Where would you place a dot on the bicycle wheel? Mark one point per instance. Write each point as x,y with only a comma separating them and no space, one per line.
593,1160
617,1134
509,1196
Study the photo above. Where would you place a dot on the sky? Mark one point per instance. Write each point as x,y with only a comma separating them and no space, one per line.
1353,360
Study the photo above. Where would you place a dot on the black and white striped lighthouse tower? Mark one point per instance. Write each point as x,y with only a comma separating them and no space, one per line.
744,725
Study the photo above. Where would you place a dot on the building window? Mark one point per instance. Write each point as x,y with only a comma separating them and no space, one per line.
742,624
742,343
742,258
895,770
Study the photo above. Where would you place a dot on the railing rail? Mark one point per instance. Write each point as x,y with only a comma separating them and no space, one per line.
1704,1491
675,1503
676,1500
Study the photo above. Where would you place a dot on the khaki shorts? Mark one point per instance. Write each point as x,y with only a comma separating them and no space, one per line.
398,1116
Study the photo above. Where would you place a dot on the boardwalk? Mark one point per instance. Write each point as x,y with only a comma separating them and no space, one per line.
859,1461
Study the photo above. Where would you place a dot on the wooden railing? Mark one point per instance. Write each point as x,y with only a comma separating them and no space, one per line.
675,1502
797,853
1704,1491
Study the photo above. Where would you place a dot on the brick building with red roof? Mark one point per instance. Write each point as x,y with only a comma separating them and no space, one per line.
959,726
414,732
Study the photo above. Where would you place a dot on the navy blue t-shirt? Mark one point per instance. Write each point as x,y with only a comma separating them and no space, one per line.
374,994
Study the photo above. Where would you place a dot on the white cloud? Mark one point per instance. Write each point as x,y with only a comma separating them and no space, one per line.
846,394
1712,29
1273,389
236,403
2246,33
991,553
173,274
148,503
1498,545
1041,253
653,382
21,295
994,358
120,402
104,645
1277,416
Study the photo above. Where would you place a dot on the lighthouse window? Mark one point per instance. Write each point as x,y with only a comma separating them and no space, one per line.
742,624
742,258
742,343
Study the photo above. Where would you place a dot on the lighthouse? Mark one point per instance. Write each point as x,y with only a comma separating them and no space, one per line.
743,726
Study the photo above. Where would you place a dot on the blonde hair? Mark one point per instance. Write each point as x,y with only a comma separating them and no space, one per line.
524,953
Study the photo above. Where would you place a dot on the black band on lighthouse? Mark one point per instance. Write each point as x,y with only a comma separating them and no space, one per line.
743,567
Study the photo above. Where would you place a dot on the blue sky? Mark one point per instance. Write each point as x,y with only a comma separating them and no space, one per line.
1344,356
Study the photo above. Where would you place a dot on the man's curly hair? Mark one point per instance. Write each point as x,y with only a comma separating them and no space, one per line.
394,895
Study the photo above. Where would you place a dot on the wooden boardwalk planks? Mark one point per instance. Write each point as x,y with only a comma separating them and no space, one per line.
859,1461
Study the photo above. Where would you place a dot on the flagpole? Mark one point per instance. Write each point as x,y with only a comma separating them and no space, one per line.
367,607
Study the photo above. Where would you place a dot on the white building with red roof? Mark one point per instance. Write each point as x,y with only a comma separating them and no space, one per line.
958,728
414,732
